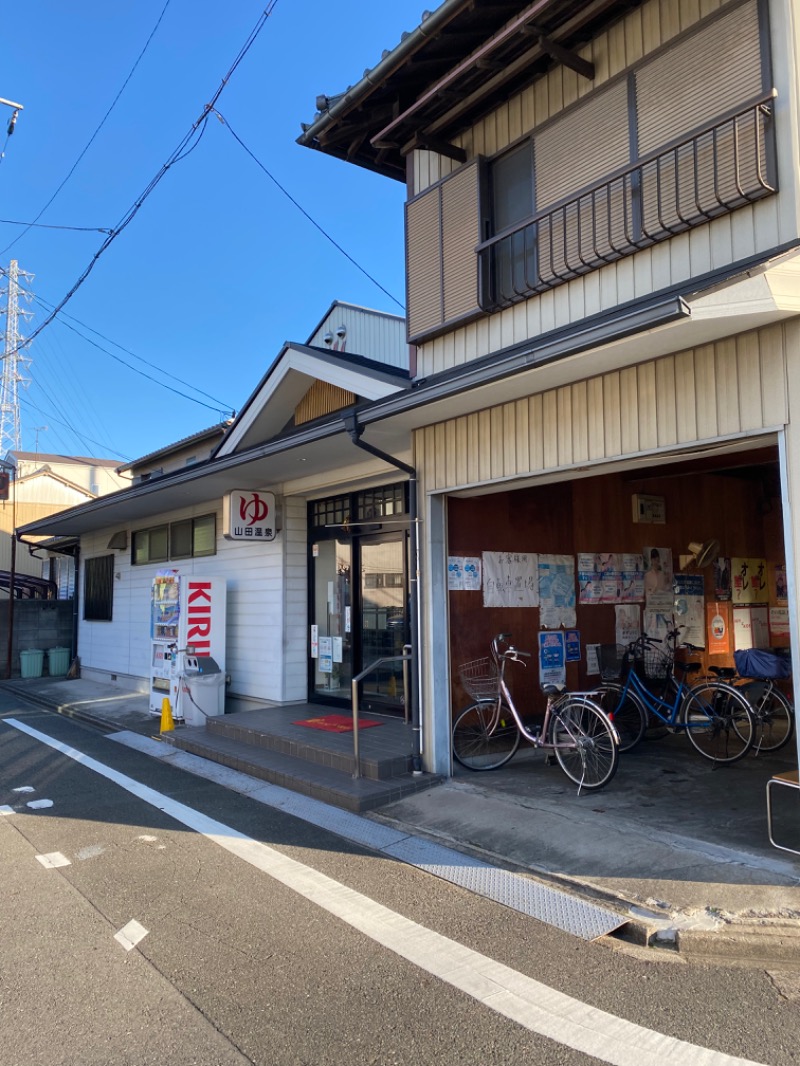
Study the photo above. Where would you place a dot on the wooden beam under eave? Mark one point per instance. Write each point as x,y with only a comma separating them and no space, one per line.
434,144
569,59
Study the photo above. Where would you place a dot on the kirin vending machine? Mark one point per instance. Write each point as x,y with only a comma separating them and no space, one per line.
187,618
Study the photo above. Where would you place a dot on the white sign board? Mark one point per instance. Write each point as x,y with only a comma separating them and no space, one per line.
249,515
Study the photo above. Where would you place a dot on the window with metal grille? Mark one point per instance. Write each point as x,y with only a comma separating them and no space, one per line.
98,588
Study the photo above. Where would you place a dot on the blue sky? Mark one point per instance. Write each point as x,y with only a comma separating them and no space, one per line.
218,268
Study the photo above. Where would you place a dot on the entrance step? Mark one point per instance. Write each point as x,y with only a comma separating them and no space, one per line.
269,744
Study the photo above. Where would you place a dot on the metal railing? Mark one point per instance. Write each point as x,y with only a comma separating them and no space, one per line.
405,658
719,168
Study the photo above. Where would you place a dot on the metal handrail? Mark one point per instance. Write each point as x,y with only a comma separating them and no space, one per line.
405,658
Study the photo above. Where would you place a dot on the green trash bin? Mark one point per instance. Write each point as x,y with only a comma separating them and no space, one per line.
31,662
57,662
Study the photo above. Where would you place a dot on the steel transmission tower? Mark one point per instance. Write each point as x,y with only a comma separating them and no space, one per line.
14,361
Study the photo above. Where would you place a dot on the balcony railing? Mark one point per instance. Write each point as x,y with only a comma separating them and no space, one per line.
716,170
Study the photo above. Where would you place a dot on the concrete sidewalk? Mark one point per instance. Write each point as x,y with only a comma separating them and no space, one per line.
677,845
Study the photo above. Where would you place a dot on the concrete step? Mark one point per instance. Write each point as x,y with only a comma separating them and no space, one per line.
308,777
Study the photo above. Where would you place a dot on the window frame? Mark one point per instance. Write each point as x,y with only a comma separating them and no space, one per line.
195,524
98,588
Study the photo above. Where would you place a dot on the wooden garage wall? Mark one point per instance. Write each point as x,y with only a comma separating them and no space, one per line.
719,391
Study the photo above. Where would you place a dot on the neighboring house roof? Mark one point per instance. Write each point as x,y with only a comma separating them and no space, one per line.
465,58
351,307
201,436
46,457
46,472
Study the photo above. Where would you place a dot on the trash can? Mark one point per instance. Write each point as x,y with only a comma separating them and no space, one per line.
31,662
205,697
57,662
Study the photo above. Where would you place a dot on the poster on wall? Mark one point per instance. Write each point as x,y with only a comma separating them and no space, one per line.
628,623
589,584
510,579
552,659
718,617
750,628
749,581
463,574
657,624
556,591
572,641
610,577
689,609
778,622
722,578
779,588
657,574
592,659
632,571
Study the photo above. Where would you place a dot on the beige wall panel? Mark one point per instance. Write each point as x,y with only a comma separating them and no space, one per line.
473,439
550,429
775,343
666,403
705,395
748,372
523,428
727,387
580,422
536,438
595,430
485,445
497,454
439,456
564,424
686,413
670,19
451,452
648,425
629,410
510,461
461,446
689,11
612,418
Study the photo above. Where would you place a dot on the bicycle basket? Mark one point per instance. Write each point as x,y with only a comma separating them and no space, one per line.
612,661
655,663
480,678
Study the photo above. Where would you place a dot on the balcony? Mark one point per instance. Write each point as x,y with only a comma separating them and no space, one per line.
715,171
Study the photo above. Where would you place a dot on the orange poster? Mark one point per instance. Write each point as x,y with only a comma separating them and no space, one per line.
718,617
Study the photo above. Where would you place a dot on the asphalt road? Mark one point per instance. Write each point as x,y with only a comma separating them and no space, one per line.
259,938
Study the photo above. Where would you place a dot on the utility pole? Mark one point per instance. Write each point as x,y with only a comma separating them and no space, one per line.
14,361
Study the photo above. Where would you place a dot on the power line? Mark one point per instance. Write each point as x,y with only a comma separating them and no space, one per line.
41,411
303,211
219,406
44,225
91,139
188,144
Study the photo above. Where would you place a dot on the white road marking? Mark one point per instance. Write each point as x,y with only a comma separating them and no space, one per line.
130,934
24,788
530,1003
53,860
38,805
6,809
91,852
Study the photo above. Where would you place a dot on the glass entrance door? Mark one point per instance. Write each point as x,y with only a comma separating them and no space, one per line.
332,666
383,623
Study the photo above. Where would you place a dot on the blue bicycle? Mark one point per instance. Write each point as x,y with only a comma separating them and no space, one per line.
645,687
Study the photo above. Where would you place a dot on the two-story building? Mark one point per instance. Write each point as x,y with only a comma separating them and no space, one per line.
603,283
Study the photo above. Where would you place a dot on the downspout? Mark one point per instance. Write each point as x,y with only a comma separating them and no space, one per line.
355,431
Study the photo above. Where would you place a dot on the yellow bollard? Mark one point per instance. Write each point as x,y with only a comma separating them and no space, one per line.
166,716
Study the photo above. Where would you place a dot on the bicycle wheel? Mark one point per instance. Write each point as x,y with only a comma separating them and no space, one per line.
773,713
718,721
584,742
626,712
484,736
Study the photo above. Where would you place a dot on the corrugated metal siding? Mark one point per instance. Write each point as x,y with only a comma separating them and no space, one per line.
730,388
373,335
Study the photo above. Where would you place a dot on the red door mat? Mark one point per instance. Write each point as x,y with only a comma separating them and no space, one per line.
336,723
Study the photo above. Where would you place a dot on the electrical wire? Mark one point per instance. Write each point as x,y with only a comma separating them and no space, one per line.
219,406
305,213
186,145
44,225
94,135
48,415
